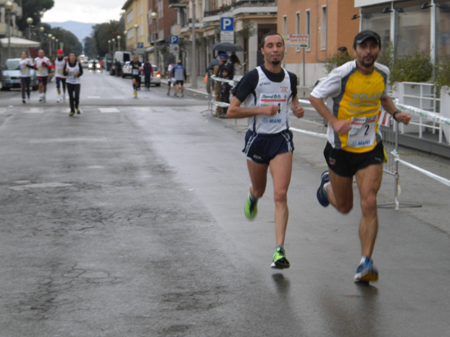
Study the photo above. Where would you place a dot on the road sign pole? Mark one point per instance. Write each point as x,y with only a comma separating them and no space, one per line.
194,64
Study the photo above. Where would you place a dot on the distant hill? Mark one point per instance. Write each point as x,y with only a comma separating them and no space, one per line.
79,29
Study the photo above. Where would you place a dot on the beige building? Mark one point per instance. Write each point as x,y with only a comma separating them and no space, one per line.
136,24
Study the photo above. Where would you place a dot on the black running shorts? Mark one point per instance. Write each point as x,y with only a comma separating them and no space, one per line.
346,164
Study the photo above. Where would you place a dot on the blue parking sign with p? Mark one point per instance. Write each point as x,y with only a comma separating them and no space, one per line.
173,39
227,24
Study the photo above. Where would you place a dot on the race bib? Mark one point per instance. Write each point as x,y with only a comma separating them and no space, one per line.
60,71
362,132
273,99
135,71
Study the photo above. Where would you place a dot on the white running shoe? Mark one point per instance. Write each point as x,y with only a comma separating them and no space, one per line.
58,100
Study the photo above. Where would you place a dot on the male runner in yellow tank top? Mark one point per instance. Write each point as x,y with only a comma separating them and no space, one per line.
354,147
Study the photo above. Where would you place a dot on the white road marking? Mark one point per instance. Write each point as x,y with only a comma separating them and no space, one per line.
93,97
109,110
34,111
42,185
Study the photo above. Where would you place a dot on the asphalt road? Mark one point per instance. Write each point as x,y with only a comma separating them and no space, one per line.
127,220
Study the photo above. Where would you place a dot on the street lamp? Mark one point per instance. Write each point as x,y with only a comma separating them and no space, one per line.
9,6
118,41
154,17
57,46
109,47
30,22
113,41
136,34
53,43
50,44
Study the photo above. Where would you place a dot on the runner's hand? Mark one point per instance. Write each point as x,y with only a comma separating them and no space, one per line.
270,110
340,126
298,111
403,117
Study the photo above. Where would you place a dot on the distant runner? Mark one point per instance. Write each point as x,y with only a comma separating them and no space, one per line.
42,65
73,70
59,62
136,73
25,64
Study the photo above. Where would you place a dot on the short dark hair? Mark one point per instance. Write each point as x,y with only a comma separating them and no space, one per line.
263,40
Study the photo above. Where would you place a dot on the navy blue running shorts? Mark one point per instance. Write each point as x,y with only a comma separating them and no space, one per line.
262,148
346,164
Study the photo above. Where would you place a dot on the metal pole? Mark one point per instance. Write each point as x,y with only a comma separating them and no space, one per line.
304,68
9,34
194,63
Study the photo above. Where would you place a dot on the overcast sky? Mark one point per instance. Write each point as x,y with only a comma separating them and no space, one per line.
88,11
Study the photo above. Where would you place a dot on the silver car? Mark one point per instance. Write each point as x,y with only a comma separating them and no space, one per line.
11,78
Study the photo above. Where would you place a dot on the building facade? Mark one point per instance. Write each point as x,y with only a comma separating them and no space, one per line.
252,19
329,25
412,25
162,21
136,25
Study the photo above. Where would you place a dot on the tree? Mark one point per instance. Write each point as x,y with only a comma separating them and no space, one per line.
103,32
90,48
33,9
70,41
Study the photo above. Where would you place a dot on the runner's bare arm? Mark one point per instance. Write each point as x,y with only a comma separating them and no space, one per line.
342,127
235,110
296,108
389,106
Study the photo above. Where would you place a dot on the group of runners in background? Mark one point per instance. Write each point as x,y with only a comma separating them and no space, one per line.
67,74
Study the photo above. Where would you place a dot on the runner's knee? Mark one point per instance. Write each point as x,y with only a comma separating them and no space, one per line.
344,207
280,196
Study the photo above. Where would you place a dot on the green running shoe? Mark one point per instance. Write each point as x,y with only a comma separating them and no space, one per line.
250,208
279,260
78,111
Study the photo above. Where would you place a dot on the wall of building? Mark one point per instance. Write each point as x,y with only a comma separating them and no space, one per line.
136,13
340,31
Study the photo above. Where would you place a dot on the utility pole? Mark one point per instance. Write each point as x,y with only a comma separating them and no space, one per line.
194,63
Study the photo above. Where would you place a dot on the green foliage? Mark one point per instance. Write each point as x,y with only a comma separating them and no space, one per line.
247,31
386,56
71,42
103,32
33,9
336,61
443,72
414,67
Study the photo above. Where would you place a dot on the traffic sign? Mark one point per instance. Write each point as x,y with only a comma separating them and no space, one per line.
174,48
173,39
140,45
226,36
227,24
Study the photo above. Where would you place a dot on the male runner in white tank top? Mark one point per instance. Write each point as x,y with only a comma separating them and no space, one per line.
267,94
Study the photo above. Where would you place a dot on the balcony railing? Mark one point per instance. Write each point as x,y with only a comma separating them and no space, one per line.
244,3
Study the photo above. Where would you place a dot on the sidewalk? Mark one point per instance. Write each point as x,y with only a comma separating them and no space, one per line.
303,93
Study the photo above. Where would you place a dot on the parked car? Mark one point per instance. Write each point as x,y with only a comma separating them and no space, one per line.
126,69
10,75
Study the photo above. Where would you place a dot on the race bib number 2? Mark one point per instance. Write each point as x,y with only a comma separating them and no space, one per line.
362,132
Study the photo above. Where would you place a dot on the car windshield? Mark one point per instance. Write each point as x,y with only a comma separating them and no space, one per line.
11,64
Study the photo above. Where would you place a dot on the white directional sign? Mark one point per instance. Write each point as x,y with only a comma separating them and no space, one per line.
296,40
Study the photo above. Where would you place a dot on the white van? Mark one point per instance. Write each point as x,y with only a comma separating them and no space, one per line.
122,56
